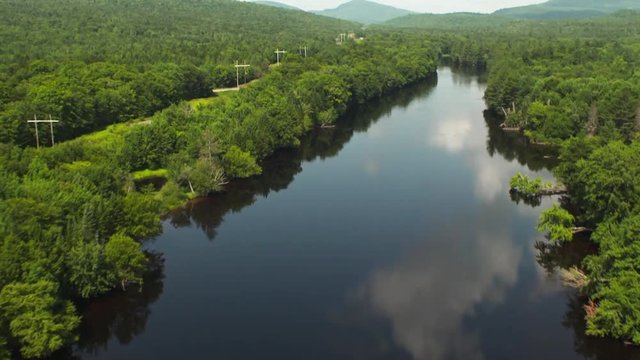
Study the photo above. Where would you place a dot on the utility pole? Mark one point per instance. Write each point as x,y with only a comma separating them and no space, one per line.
278,53
35,122
238,66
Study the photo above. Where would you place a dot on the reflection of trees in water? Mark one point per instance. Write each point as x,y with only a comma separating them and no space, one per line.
564,255
513,146
533,201
121,315
280,169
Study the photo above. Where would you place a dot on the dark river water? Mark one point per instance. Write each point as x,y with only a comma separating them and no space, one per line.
392,236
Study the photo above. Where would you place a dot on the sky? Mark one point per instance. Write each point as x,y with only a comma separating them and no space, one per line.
422,6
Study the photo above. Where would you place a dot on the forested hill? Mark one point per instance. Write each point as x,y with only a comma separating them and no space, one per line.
364,11
278,4
455,21
564,9
96,62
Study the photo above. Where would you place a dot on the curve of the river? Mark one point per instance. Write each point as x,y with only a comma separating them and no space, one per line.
392,236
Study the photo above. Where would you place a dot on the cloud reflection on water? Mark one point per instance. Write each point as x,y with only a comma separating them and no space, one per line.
465,133
427,296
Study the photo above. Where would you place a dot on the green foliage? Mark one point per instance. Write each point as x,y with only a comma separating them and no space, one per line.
141,217
527,186
90,272
149,174
618,311
36,318
455,21
126,258
323,96
240,164
208,176
558,223
606,182
171,196
146,146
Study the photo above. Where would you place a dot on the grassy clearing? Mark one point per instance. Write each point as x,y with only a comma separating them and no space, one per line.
150,174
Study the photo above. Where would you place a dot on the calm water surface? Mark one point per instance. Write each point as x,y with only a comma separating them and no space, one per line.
392,236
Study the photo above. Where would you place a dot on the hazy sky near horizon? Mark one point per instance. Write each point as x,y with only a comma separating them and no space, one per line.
422,6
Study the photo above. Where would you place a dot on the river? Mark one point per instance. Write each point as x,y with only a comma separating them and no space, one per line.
392,236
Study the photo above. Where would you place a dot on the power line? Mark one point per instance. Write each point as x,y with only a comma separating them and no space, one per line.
278,53
35,122
238,66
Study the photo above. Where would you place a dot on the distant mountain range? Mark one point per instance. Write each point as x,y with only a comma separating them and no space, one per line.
369,12
365,12
568,9
277,4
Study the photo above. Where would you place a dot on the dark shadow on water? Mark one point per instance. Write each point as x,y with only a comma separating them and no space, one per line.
120,315
514,146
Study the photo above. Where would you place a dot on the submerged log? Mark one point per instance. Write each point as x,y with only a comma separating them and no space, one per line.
574,277
581,229
506,128
556,190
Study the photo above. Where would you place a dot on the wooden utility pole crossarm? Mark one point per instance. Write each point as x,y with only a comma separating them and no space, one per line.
238,66
35,122
278,53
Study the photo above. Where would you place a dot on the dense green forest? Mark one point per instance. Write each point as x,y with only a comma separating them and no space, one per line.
95,63
72,215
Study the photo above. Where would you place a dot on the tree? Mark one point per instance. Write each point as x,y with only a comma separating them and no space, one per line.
558,223
141,215
37,319
207,175
89,271
240,164
126,259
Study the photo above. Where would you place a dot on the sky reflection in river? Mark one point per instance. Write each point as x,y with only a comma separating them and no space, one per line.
427,296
